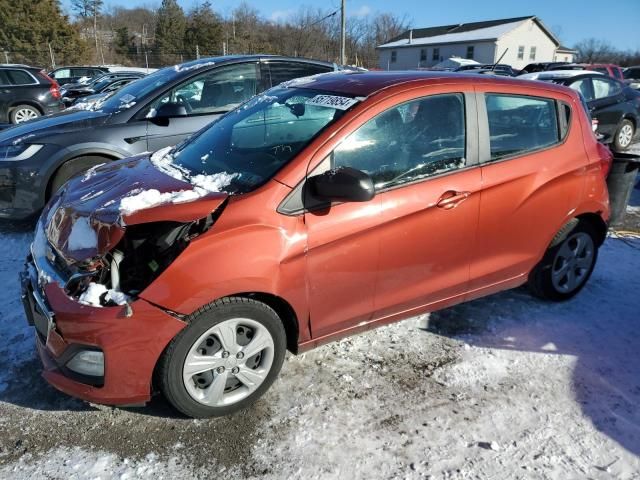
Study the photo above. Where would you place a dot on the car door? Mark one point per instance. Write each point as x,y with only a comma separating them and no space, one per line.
206,97
607,105
531,180
429,196
372,259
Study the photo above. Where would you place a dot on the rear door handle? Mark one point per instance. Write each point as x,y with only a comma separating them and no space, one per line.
451,199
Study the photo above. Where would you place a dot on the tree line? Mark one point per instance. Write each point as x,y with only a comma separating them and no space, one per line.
40,33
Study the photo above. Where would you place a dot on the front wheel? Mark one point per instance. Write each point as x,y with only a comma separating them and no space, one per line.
567,264
225,359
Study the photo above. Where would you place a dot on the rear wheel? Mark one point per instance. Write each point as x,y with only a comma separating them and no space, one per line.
567,264
23,113
225,359
624,135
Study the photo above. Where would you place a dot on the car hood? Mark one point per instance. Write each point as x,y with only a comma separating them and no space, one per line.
49,126
88,217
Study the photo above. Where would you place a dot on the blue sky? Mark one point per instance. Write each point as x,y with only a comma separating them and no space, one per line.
617,21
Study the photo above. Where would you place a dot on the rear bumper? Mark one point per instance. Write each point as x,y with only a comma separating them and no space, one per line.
131,345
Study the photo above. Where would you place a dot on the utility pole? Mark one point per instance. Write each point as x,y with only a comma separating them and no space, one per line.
343,35
6,57
53,60
197,52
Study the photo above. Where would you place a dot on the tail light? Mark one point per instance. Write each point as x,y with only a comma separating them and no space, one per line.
606,159
594,125
54,89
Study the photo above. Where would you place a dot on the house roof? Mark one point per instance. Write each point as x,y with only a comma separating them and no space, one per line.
562,48
463,32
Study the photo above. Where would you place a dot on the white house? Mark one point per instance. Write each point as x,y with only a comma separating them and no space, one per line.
522,40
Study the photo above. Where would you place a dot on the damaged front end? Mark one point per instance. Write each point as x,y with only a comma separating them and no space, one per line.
105,257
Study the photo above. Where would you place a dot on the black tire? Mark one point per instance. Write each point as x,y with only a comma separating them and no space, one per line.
617,144
18,112
169,371
541,282
71,168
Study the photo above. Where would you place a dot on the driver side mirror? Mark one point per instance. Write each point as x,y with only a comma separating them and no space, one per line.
167,111
344,184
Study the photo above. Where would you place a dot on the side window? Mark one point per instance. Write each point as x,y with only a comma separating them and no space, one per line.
584,87
64,73
4,78
411,141
617,73
603,88
285,71
216,91
20,77
519,124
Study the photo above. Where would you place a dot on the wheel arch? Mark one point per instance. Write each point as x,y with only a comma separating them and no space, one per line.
285,312
599,226
108,156
31,103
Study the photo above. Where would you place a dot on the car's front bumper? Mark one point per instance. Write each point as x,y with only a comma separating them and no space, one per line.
131,345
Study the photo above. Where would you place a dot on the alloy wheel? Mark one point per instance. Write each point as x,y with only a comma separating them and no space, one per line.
573,262
228,362
625,136
25,114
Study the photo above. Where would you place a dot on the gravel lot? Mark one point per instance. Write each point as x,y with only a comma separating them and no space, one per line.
505,387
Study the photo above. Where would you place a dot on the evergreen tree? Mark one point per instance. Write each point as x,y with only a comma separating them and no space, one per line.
170,30
204,29
28,28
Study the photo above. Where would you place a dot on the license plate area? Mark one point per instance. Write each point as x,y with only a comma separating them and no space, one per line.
37,313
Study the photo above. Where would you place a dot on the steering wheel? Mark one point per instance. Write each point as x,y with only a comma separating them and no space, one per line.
182,100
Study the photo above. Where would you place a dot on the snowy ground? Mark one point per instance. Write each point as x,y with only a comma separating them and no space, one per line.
502,388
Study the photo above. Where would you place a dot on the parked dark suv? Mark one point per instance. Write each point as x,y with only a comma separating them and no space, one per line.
65,75
157,111
26,93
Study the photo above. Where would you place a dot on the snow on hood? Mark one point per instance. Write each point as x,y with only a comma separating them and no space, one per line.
91,212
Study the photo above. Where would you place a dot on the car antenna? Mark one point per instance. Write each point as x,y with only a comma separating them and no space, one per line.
503,54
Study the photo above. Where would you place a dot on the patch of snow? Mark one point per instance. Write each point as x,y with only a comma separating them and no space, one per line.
163,161
633,209
152,198
182,68
213,183
301,81
82,235
92,295
91,172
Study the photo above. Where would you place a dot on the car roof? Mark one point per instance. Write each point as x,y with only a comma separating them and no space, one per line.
229,58
365,84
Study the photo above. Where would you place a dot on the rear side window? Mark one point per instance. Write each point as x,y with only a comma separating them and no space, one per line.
617,74
4,78
63,73
285,71
603,88
584,87
519,124
20,77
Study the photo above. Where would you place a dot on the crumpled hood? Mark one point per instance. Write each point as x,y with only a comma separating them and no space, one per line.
50,126
87,219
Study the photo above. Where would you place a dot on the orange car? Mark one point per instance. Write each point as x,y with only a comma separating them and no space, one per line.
325,207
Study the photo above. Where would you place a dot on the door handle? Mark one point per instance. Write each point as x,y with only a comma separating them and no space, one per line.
451,199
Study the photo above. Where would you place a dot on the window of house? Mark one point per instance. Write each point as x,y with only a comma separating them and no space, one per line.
423,55
409,142
470,51
436,54
394,56
521,52
520,124
532,53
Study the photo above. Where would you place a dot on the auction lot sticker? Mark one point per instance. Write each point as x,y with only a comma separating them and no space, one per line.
332,101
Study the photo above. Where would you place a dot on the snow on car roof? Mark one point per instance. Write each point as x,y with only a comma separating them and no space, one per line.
553,74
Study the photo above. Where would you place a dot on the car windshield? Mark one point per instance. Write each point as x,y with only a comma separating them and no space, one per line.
128,96
257,139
